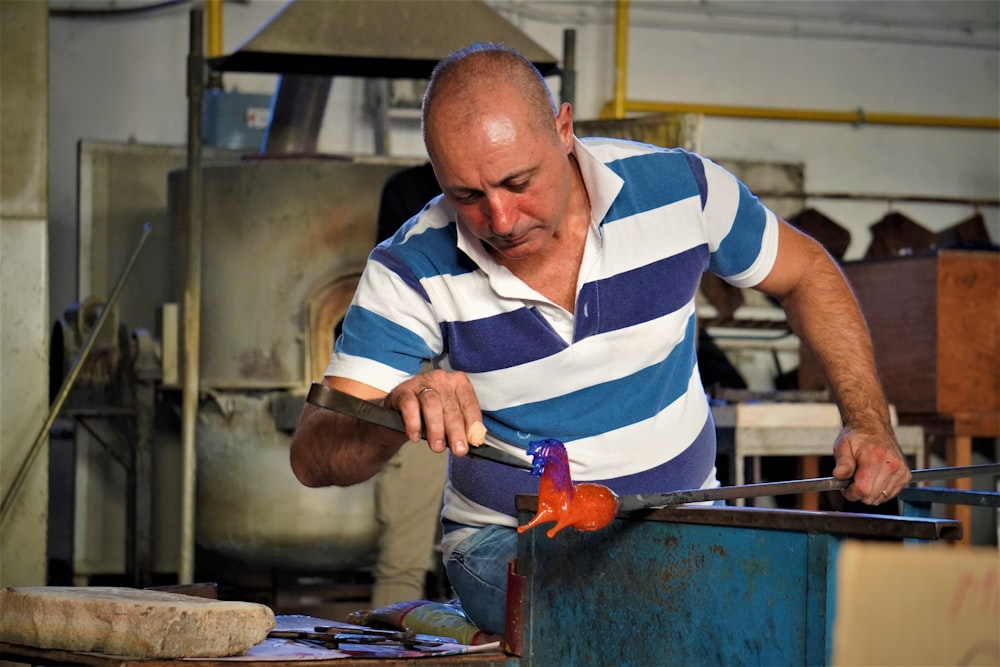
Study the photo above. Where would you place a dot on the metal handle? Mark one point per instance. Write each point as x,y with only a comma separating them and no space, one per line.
331,399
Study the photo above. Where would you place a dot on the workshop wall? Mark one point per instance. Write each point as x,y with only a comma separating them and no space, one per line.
121,77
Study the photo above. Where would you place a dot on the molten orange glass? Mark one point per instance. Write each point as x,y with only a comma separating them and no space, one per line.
586,507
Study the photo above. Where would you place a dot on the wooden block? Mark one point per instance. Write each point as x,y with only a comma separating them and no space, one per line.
130,622
916,605
935,325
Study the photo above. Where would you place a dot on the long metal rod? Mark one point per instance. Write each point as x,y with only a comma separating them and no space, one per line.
192,299
859,117
70,380
874,196
794,487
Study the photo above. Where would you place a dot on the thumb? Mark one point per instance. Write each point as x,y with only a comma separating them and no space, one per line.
844,467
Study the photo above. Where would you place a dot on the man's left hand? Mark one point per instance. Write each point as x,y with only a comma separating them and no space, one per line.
876,463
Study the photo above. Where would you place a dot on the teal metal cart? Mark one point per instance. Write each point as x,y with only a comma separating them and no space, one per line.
689,586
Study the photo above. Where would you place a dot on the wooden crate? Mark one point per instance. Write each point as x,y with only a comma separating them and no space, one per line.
935,324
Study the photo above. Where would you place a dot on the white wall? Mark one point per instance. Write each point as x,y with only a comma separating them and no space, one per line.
122,78
855,70
790,73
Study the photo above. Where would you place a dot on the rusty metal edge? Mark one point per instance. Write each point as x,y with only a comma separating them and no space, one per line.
840,523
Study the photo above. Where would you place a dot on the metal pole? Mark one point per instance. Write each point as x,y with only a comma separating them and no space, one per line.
70,380
793,487
192,298
297,110
621,58
568,92
617,108
878,196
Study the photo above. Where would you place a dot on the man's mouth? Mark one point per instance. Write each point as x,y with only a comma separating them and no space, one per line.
511,241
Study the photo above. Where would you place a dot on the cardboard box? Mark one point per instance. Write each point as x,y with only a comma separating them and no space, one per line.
903,604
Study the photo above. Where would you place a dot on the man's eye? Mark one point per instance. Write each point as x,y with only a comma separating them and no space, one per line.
520,186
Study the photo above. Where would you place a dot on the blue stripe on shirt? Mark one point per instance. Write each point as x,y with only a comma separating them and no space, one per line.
639,295
394,263
698,173
583,413
619,301
416,251
741,246
501,341
494,485
361,326
646,175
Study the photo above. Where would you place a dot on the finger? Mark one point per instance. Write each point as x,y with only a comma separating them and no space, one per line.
433,417
866,486
850,492
898,481
472,416
891,475
881,491
844,469
405,401
456,430
870,488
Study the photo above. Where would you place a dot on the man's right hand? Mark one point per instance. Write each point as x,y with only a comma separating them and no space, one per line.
440,406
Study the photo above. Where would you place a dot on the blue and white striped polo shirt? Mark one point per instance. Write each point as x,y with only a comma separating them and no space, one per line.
616,380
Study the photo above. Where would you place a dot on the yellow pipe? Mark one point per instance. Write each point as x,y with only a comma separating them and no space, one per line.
621,56
213,24
617,109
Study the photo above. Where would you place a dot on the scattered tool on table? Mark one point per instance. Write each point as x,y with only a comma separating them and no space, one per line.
424,616
334,638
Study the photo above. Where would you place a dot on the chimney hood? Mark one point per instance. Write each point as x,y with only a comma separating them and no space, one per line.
396,39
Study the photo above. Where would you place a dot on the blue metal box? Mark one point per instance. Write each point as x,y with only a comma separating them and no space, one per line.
689,586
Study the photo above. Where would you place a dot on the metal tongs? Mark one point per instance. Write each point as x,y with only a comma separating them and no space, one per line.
334,637
331,399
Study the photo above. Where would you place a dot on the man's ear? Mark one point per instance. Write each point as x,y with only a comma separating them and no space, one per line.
564,126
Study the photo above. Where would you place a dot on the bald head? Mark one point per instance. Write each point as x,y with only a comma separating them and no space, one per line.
477,79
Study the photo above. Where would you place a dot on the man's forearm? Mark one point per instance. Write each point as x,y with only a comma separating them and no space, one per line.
328,449
825,315
822,310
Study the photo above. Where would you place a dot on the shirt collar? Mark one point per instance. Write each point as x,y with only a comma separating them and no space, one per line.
603,184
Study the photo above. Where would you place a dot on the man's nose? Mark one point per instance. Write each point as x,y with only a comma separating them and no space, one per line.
501,212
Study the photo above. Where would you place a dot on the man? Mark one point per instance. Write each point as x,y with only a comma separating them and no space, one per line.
552,286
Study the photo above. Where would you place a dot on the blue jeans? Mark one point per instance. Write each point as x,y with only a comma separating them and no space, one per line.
477,570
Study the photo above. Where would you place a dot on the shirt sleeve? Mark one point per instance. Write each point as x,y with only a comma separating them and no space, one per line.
742,232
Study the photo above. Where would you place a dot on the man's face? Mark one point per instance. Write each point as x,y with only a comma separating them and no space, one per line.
509,182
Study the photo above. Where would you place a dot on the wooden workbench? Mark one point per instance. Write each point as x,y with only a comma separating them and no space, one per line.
38,656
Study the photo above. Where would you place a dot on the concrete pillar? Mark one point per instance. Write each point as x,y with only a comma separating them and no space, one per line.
24,284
